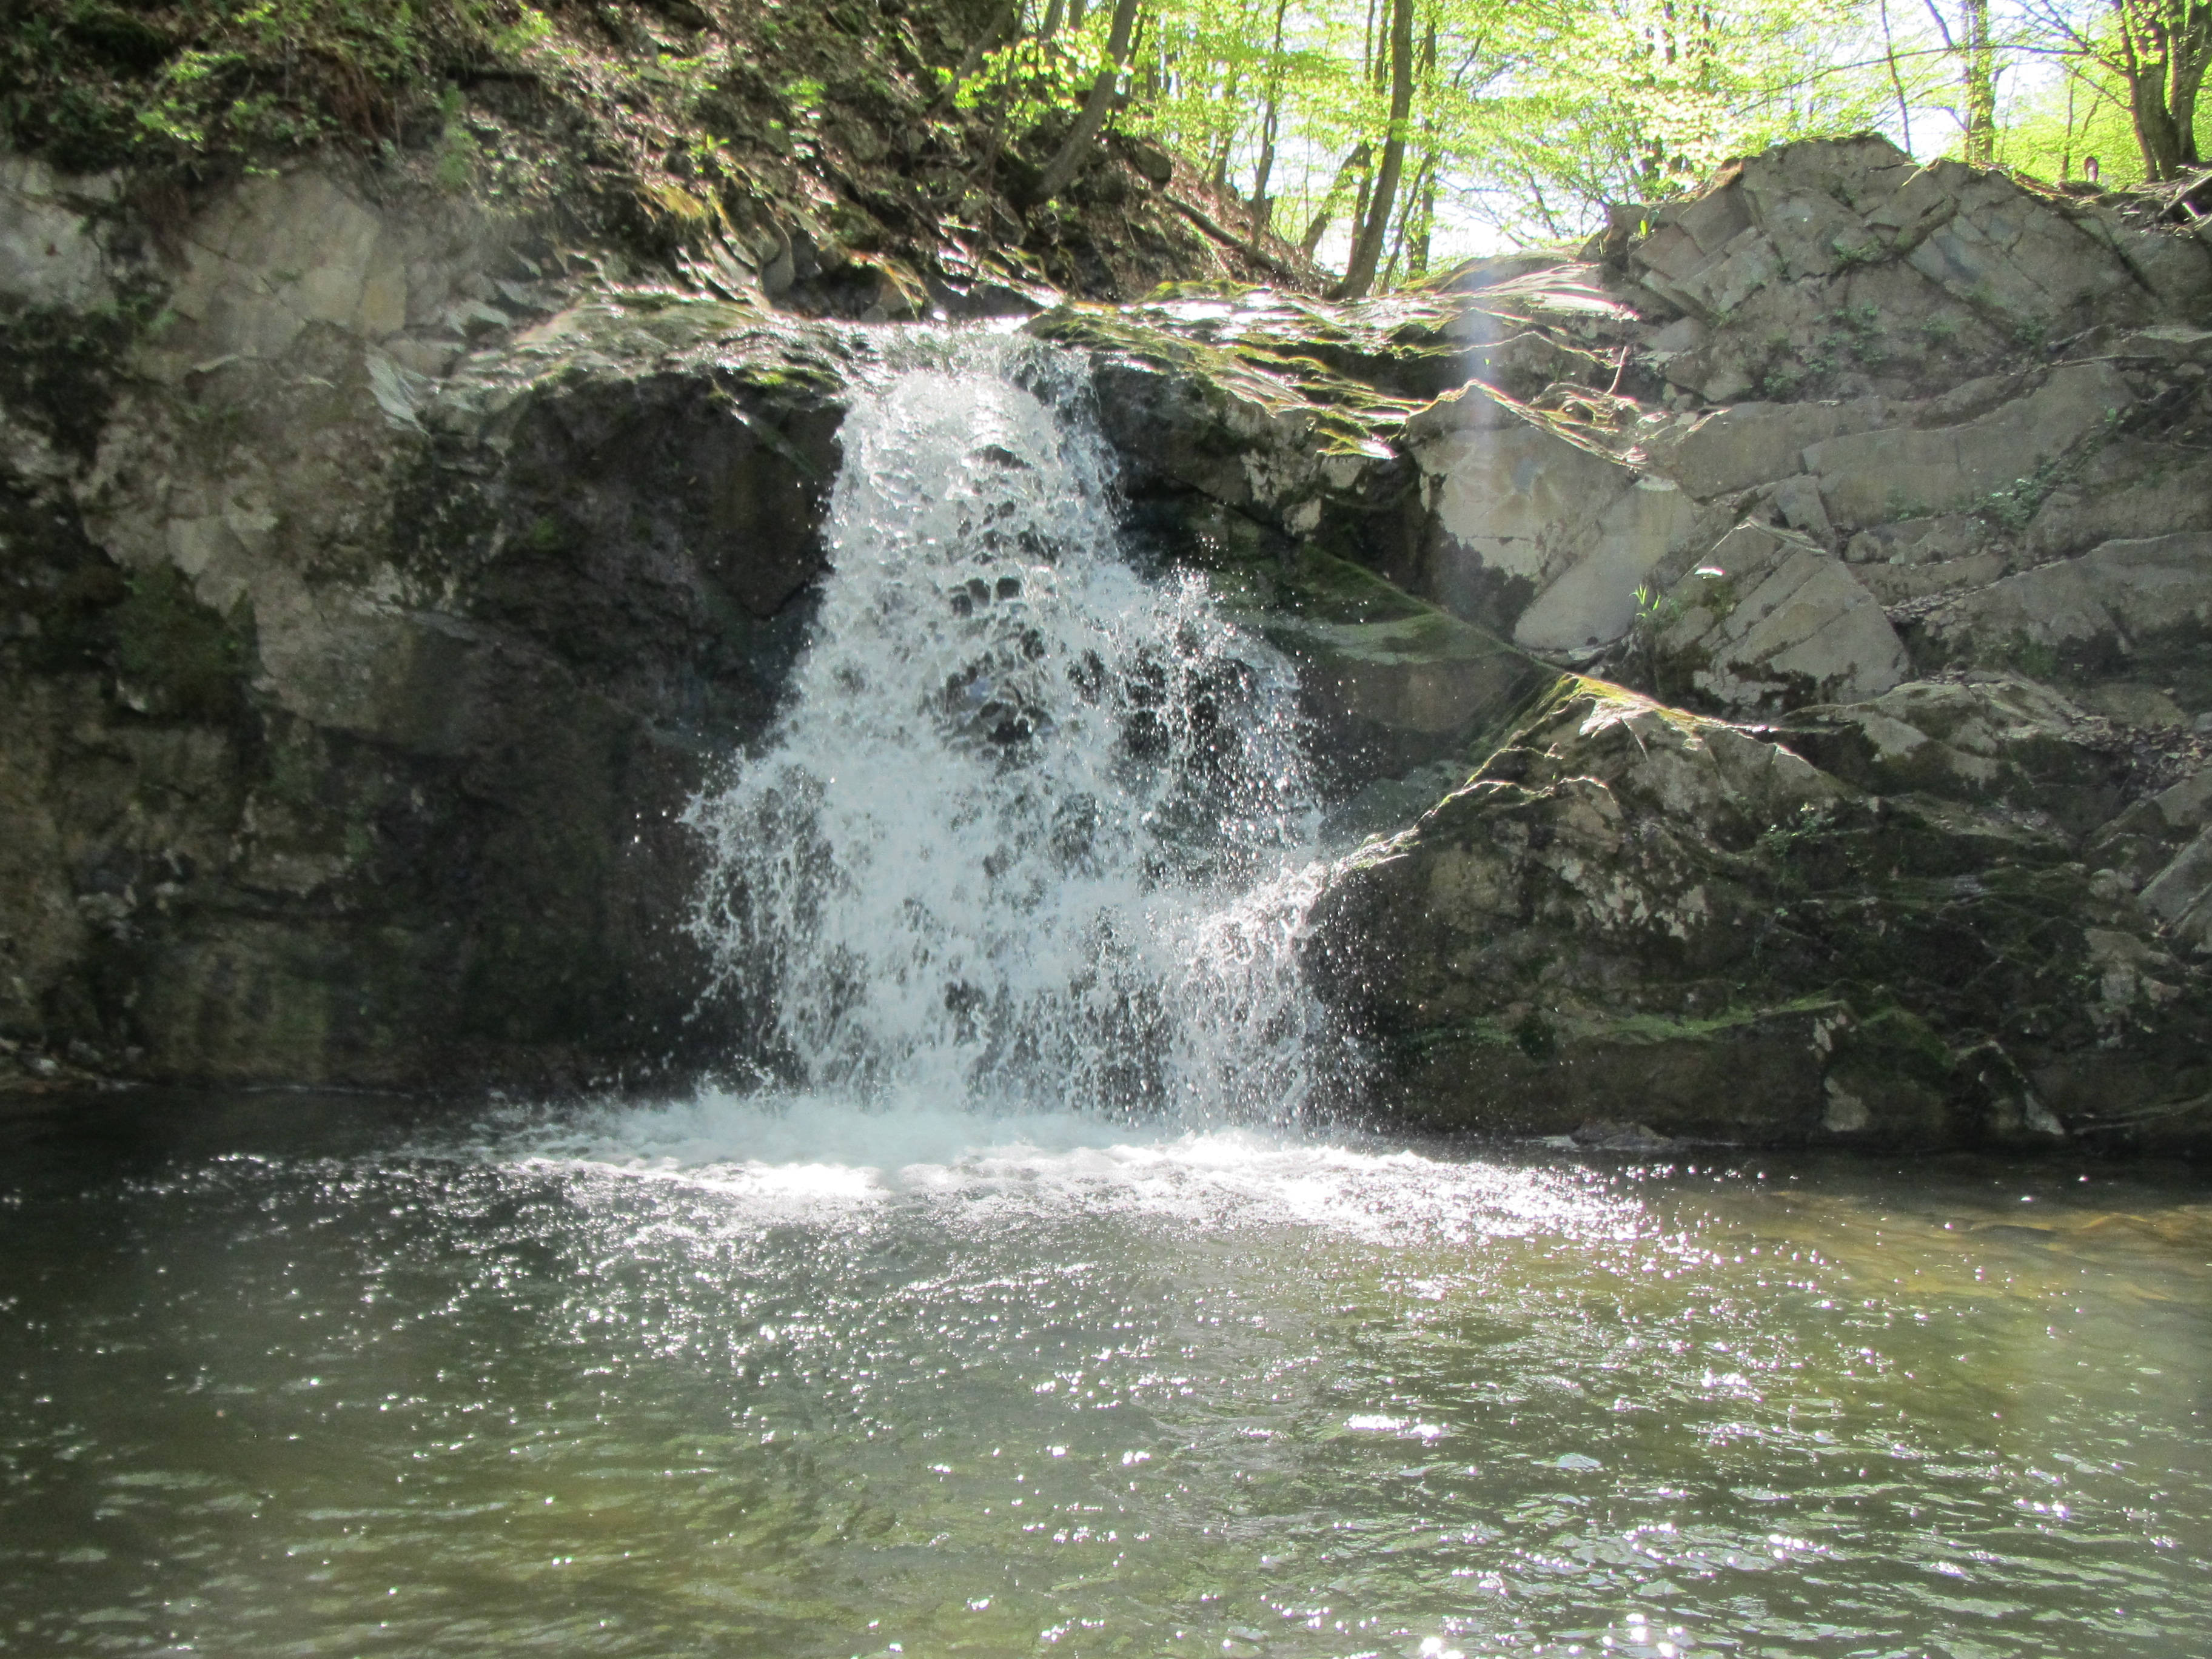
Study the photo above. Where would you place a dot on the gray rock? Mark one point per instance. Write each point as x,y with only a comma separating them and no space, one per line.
2112,597
2181,893
1627,906
377,638
1750,443
2130,491
1769,622
1873,477
49,247
1939,540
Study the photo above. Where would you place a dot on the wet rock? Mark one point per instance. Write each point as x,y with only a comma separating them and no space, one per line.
1391,681
1995,740
404,595
1605,1134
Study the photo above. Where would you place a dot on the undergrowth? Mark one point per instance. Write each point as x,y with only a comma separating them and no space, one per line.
825,133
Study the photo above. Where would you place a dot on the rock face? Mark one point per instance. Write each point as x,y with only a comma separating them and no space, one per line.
1696,927
1765,655
367,636
1891,480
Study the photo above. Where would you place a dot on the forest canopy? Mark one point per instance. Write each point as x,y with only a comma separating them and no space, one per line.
1394,131
1375,137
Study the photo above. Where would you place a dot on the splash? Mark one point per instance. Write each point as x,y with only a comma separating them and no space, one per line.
1033,831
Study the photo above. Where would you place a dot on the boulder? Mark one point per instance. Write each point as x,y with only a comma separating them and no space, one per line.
1391,681
398,595
51,251
2138,843
1770,621
2097,608
1530,531
1993,739
1834,261
2180,894
1632,912
2130,491
1559,932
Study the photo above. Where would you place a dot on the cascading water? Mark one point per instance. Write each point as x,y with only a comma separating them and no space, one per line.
1033,829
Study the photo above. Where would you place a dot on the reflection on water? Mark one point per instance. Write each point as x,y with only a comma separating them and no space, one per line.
281,1376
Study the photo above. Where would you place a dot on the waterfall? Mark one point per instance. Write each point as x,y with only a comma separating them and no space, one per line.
1034,827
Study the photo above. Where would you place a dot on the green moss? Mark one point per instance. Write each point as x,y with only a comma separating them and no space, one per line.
1287,358
1325,588
183,657
295,765
1896,1045
96,86
1542,1037
60,367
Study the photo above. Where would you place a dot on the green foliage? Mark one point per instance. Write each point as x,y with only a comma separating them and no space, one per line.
195,82
1033,80
1529,115
2051,131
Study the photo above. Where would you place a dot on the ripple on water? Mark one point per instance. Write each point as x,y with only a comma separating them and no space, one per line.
725,1376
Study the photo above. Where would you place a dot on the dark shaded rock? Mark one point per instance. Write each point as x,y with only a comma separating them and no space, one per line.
403,810
1633,909
1605,1134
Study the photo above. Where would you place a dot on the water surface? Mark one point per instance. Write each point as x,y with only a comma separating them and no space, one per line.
288,1376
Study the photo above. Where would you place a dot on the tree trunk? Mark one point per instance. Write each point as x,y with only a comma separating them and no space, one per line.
1367,251
2154,129
1981,86
1422,221
2163,48
1217,172
1262,208
1896,79
1077,151
1002,25
1354,164
2184,30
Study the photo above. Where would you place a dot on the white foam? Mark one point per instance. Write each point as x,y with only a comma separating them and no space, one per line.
835,1158
1032,826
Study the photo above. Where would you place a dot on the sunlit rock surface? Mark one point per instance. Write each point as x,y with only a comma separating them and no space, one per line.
1694,925
1906,464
